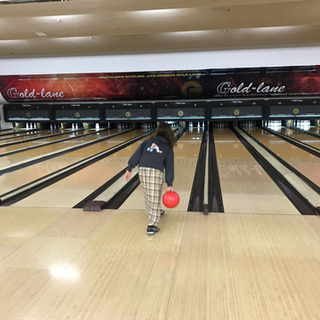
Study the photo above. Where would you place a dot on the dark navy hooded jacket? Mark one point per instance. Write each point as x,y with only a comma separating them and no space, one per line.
156,153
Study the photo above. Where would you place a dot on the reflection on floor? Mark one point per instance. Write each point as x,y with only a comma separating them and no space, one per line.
70,264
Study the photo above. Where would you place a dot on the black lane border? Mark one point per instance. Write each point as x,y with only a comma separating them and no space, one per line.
23,135
50,143
297,143
311,184
197,191
29,135
122,195
24,191
304,131
4,130
39,138
57,154
215,194
300,202
101,189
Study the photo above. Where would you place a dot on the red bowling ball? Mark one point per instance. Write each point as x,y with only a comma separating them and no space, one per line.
170,199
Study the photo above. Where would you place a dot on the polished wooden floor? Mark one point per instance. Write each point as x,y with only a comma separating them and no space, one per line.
258,261
69,264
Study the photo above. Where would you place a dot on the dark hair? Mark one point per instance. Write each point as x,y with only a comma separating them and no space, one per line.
164,130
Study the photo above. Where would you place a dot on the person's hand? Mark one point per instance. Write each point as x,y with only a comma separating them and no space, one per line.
169,189
127,176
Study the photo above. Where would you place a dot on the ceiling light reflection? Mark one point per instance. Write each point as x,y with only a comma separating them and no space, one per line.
159,12
78,39
191,33
64,273
275,29
13,42
61,18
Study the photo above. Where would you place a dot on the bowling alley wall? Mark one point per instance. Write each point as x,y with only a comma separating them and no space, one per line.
247,84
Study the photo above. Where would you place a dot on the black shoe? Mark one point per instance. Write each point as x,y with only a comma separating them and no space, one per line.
162,212
152,230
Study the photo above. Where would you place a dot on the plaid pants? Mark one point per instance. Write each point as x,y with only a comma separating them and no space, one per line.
152,182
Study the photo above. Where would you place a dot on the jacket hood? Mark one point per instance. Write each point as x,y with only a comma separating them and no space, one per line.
160,140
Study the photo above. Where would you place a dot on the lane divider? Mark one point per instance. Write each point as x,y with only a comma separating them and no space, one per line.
305,198
25,163
30,188
299,144
50,143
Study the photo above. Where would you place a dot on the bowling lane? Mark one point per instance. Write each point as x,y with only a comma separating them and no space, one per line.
12,132
302,137
46,139
246,187
186,155
74,188
303,161
7,132
26,135
12,180
19,157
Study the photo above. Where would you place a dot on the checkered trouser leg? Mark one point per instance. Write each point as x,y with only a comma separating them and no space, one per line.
151,183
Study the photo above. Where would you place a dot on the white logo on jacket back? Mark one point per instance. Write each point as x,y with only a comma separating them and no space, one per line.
154,147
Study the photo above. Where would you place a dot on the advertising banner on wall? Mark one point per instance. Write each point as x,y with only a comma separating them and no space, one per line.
137,86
